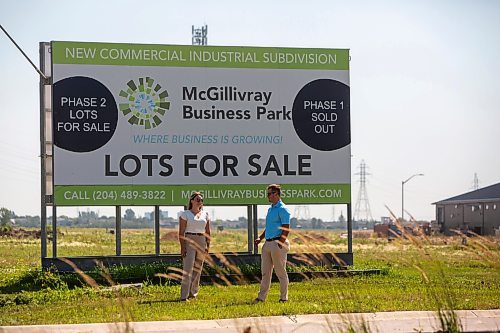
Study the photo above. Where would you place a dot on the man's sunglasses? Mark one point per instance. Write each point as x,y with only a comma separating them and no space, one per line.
269,193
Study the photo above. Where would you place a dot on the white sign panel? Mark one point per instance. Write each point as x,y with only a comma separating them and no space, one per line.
148,124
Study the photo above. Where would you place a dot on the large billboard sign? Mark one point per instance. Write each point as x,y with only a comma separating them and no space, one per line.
138,124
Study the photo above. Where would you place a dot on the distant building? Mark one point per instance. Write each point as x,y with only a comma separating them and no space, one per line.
385,220
477,211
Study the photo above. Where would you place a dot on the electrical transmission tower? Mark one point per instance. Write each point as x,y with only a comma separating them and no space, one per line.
301,213
362,210
199,35
475,182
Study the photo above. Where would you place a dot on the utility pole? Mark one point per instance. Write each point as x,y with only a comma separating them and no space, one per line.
403,194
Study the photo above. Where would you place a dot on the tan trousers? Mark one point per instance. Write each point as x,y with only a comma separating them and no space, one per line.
273,257
192,265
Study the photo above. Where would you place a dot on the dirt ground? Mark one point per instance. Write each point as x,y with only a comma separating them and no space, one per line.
20,233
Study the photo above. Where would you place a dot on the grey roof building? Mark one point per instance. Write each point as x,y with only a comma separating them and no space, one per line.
477,211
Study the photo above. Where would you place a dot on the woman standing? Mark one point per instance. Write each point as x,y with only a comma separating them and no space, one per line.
194,237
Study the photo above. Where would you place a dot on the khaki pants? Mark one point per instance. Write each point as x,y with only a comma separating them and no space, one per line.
192,264
273,257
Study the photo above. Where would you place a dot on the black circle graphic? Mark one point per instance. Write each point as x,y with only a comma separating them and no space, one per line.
85,114
321,115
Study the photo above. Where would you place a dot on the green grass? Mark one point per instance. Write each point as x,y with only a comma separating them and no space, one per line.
395,291
438,273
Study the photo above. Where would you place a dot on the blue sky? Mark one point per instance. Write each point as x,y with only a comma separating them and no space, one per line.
424,82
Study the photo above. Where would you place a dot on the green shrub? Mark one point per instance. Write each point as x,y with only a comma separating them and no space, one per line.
6,300
22,298
50,280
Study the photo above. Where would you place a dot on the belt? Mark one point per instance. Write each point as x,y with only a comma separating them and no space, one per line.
195,233
272,239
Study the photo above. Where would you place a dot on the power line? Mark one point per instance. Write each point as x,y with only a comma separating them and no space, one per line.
24,54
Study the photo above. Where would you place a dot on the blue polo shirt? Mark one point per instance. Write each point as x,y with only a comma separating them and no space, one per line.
277,215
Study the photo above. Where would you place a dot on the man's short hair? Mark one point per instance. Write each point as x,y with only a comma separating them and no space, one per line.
275,188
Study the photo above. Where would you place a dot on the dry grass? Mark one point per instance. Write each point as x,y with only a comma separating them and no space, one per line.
423,273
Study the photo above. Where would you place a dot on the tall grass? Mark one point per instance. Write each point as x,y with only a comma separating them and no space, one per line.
420,273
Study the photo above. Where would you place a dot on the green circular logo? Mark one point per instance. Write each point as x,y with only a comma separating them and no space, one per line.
146,102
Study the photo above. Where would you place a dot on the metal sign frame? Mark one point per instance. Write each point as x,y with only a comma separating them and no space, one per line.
47,199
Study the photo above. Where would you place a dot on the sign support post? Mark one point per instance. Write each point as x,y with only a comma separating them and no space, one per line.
118,231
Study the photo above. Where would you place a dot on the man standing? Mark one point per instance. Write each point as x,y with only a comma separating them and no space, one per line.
275,249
